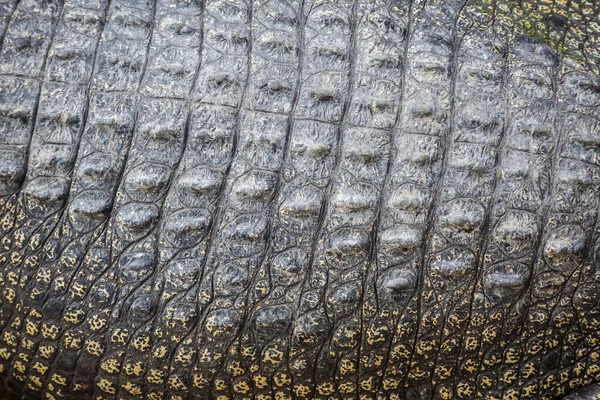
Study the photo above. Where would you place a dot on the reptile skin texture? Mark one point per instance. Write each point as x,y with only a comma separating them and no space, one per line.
299,199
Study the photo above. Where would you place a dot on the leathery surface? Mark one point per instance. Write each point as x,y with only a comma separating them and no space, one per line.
280,199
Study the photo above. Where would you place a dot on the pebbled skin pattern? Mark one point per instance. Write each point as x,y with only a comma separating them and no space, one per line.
293,199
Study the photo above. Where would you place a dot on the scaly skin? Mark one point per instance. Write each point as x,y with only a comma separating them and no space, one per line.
299,199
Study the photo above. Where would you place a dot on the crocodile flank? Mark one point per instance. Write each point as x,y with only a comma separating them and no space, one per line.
300,199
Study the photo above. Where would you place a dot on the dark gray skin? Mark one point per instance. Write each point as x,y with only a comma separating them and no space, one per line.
299,199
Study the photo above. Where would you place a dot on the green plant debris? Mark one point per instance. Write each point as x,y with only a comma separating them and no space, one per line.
570,27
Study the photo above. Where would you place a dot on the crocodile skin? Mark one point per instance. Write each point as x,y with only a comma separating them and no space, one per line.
279,199
591,392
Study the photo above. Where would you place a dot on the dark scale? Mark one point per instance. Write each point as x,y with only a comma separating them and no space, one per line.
25,54
314,153
499,299
50,149
423,126
7,9
570,235
106,132
280,199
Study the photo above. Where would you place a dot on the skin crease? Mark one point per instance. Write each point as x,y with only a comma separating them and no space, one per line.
299,199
